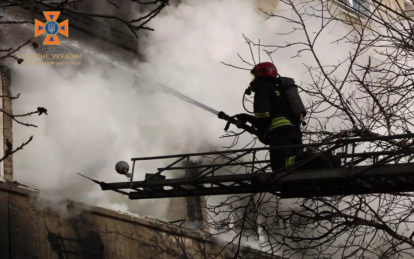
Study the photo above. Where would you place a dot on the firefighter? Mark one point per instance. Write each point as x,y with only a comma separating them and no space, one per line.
274,121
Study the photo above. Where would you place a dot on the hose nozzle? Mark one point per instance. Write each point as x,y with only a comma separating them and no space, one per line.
223,116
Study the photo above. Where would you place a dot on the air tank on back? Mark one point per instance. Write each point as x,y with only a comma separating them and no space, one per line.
295,102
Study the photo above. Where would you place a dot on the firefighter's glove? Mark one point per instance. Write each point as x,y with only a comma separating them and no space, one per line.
286,81
242,118
41,110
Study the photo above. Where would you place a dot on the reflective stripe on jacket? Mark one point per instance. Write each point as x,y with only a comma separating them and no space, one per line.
279,122
260,115
269,109
290,163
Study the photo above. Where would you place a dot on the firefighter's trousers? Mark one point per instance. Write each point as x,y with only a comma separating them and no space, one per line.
285,157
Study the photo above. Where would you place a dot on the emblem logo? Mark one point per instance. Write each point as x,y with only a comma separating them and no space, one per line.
51,28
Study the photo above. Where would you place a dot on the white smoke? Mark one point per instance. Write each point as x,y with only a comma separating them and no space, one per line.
103,114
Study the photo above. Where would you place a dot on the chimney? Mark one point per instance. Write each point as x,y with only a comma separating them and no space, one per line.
192,209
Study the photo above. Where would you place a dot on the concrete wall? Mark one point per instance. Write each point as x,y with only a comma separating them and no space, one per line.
6,135
94,233
7,124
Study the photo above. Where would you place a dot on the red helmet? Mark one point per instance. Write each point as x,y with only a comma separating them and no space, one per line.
264,69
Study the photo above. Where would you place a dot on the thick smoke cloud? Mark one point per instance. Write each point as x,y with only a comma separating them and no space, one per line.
102,114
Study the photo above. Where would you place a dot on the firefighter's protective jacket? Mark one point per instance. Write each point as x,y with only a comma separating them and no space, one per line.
270,111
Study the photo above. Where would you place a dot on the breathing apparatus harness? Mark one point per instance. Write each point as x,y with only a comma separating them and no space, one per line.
289,90
291,100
